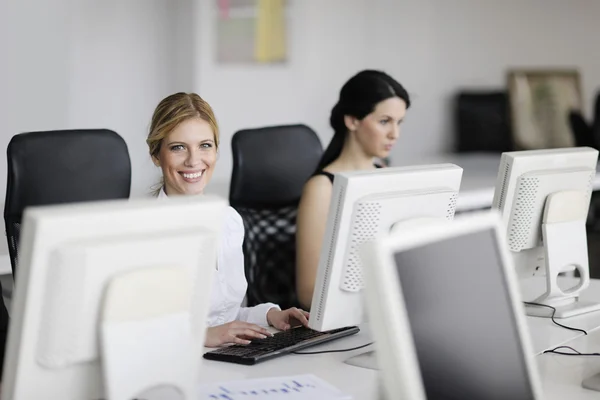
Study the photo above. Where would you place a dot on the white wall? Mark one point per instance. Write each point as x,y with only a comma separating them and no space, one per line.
433,47
34,54
436,47
85,64
123,63
302,90
93,64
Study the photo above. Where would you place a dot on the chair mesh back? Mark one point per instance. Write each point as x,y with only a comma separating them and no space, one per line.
270,254
270,167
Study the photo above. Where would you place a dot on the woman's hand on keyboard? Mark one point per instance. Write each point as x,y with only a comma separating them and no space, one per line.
285,319
237,332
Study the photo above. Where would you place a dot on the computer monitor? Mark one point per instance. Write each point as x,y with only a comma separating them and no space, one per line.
543,197
455,287
111,294
366,205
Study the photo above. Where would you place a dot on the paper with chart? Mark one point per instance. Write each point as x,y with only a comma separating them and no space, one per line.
279,388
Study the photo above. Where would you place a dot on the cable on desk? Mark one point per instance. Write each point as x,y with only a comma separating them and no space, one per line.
332,351
552,316
576,353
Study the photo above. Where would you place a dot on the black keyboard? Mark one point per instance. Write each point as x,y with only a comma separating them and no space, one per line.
277,345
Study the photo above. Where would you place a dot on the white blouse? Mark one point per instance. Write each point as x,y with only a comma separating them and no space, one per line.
229,281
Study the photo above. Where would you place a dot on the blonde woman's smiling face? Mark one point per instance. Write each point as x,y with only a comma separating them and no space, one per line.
187,157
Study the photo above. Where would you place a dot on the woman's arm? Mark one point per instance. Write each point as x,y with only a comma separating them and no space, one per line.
257,314
310,229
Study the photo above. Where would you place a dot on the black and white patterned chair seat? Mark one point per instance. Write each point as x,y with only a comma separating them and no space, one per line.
270,255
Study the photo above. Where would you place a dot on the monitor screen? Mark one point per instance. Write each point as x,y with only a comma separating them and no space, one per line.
462,320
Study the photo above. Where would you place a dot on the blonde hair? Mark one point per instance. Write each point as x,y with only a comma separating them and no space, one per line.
172,111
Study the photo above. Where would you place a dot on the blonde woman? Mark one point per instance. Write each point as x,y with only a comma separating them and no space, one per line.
183,141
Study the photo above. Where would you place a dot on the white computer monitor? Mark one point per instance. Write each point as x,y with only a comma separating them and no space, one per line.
366,205
543,197
452,289
110,295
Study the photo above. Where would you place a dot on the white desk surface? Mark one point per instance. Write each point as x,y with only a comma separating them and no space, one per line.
358,382
544,333
479,177
477,188
561,376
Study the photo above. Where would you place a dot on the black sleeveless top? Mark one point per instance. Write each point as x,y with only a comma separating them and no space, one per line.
329,175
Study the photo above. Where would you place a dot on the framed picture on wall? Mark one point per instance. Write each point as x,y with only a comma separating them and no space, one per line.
251,31
540,102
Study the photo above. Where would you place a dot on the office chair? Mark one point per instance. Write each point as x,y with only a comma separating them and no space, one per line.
582,132
586,133
57,167
482,122
270,167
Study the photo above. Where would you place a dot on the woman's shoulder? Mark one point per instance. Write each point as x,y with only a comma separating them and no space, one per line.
233,227
319,175
233,220
317,191
318,184
320,178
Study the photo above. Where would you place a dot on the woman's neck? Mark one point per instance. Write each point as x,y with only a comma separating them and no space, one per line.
352,158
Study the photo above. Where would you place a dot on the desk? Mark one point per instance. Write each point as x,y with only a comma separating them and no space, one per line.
479,177
561,376
478,183
358,382
543,332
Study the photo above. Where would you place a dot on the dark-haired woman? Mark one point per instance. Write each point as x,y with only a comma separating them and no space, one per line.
366,123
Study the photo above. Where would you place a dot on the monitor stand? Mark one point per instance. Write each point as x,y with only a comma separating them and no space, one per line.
364,360
565,246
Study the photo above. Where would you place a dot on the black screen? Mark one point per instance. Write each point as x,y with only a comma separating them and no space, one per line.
462,321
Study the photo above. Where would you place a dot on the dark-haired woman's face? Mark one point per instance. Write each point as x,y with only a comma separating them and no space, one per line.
377,132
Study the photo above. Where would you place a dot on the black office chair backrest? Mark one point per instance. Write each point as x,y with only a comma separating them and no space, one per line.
582,132
270,167
482,122
57,167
